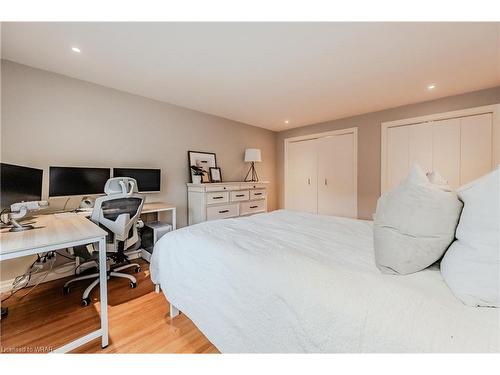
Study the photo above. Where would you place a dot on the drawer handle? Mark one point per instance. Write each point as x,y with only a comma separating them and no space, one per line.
223,211
240,195
257,193
254,206
217,197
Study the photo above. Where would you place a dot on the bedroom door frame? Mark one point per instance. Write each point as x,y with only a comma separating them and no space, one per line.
494,109
308,137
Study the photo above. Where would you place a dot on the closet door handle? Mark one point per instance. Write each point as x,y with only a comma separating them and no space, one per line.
326,182
309,181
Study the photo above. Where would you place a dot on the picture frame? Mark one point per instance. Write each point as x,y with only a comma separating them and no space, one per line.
201,161
215,174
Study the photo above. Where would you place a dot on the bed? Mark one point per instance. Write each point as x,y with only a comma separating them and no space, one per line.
290,282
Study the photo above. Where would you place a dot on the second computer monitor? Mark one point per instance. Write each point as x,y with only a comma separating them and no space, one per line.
65,181
148,180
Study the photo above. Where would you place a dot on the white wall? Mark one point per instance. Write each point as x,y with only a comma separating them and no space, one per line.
49,119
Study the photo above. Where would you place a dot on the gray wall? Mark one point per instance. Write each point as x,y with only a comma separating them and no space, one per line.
369,139
50,119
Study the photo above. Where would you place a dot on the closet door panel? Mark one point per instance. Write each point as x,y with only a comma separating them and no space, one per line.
302,193
397,155
446,150
420,146
476,147
337,176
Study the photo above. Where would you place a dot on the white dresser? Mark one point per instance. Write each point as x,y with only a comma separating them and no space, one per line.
223,200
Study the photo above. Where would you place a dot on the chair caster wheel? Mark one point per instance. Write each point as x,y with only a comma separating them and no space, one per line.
133,285
65,290
137,269
85,302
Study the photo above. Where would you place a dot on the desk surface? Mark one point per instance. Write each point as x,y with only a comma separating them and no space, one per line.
157,207
146,209
50,230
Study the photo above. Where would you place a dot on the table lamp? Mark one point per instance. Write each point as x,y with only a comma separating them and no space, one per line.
252,155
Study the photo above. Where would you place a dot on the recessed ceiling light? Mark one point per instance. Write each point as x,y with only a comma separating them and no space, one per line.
287,122
76,49
432,86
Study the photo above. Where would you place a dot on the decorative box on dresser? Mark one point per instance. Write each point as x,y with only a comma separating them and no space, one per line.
212,201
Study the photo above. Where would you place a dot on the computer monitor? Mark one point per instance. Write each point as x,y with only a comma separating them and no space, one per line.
148,180
64,181
18,184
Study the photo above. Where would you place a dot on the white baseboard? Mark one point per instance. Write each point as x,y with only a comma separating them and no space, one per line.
64,270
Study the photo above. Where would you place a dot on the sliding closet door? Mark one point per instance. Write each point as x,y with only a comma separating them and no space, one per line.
301,184
420,146
459,148
475,147
397,155
337,176
446,150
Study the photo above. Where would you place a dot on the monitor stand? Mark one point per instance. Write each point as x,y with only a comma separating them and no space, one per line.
16,227
87,203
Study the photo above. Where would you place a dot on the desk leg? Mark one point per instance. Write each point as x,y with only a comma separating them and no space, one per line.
103,282
174,219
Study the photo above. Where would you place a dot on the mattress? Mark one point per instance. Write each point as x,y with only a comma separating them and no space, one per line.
290,282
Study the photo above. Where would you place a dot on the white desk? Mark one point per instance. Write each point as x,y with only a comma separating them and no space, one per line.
55,232
148,208
161,207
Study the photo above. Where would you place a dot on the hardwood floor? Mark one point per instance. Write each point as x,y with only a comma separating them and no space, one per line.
139,320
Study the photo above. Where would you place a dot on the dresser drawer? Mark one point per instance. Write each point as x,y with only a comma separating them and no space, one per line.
252,207
218,197
221,187
253,185
257,194
222,212
242,195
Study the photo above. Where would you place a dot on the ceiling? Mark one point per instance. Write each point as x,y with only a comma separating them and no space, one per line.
265,74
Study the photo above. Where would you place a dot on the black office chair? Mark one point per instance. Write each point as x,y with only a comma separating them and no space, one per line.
118,213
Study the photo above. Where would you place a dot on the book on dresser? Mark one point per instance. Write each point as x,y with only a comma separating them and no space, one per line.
212,201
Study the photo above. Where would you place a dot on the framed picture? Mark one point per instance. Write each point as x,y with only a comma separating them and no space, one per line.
215,174
200,164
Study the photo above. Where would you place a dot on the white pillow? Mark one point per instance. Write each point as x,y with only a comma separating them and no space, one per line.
414,224
471,267
436,179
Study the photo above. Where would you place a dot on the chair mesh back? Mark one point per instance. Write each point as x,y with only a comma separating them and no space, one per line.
113,208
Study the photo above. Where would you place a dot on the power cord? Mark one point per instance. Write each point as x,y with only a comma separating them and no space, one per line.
35,268
22,281
66,203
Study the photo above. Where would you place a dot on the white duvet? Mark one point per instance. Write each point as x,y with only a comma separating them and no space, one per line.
296,282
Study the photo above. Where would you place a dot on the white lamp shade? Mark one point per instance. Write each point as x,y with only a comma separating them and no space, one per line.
252,154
